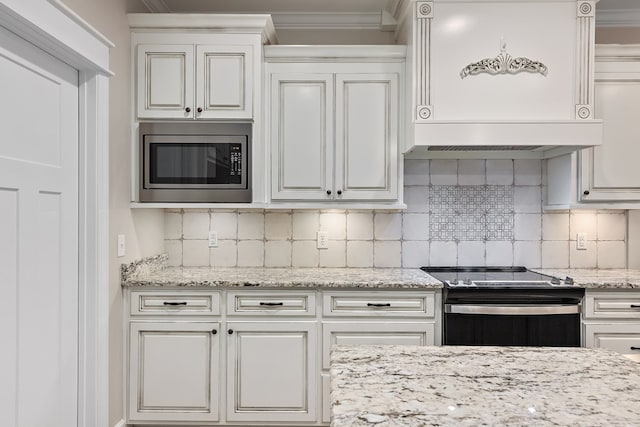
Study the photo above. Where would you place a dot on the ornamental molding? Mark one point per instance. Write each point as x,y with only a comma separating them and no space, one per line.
586,9
424,9
583,112
504,63
424,113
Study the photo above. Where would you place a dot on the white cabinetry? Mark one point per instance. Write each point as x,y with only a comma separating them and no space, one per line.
194,81
334,125
608,173
186,67
376,318
174,356
256,357
612,321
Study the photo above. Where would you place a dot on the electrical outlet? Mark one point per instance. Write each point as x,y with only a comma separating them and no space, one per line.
581,241
323,240
213,239
122,248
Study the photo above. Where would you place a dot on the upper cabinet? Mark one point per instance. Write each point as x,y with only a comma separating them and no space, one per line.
183,72
194,81
607,175
334,124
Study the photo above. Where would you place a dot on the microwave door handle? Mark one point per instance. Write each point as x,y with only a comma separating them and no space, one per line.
512,310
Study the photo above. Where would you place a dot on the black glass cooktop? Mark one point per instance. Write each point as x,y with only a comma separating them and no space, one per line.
494,277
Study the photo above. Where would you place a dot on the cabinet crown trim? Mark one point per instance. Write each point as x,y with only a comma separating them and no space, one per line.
333,53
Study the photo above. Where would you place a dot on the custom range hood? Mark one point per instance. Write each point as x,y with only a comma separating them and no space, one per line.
500,78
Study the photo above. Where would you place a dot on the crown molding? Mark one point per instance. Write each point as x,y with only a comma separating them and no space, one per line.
326,21
618,18
156,6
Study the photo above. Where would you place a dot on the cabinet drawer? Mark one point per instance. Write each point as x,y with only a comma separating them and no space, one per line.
379,304
375,333
271,303
183,303
623,338
612,305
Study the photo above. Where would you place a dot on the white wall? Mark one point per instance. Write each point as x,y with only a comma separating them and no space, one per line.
143,229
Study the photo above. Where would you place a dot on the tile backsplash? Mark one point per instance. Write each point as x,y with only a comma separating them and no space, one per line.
459,212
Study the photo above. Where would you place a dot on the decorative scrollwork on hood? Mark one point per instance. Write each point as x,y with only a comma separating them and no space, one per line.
504,64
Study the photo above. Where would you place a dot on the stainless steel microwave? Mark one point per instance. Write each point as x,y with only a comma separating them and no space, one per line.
195,162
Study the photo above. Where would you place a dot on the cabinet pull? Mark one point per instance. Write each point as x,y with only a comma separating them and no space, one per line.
199,110
339,192
381,304
230,331
635,306
188,109
634,348
174,303
329,192
214,331
271,304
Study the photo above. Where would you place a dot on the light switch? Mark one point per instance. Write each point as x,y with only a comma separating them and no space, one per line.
122,250
213,239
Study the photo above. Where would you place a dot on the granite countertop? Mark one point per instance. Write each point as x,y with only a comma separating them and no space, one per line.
593,278
471,386
153,272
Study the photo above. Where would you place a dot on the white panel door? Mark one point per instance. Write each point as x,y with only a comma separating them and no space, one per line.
271,371
366,136
38,237
165,81
224,82
610,171
174,371
302,136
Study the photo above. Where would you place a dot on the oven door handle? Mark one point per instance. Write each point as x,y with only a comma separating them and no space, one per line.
512,310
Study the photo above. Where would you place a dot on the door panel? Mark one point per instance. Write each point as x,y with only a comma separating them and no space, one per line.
272,371
39,245
302,136
366,129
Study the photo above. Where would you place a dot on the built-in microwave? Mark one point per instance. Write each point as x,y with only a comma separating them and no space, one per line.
195,162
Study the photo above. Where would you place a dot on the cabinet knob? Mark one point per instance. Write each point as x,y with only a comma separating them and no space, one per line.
188,109
329,192
199,110
230,331
214,331
585,192
339,192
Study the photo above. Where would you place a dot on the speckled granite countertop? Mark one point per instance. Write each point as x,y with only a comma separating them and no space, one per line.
592,278
489,386
153,272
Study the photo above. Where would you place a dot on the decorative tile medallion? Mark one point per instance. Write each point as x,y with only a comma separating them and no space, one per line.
471,212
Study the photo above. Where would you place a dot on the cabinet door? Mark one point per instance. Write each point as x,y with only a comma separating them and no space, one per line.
271,371
366,136
610,172
174,371
164,80
301,136
224,77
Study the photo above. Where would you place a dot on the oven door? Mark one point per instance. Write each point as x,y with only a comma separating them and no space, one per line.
549,325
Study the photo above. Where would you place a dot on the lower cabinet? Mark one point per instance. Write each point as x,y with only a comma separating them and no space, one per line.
174,371
271,371
230,357
612,321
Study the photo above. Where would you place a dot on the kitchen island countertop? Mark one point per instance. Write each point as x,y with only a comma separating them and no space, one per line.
471,386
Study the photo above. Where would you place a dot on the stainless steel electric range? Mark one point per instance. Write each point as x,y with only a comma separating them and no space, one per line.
508,306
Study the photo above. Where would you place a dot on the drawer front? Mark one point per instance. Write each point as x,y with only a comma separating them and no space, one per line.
271,303
621,305
375,333
182,303
379,304
623,338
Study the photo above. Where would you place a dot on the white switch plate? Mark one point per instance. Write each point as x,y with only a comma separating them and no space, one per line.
323,240
581,241
213,239
122,248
